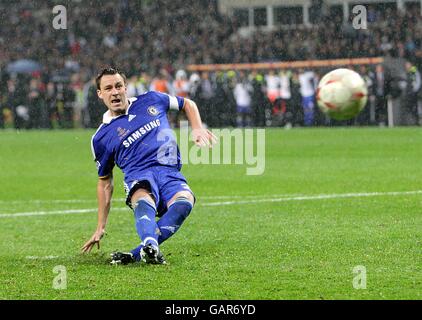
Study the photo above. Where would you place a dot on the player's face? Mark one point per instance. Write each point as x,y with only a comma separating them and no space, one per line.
113,93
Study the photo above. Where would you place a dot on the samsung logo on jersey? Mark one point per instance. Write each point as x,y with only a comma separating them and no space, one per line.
140,132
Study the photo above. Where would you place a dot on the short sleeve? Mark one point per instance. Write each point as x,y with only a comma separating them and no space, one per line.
176,103
103,158
170,102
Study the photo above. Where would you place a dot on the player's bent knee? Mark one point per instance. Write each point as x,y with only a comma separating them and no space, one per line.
147,200
182,196
142,194
181,206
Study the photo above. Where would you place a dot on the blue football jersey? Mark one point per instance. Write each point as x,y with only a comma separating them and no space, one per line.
140,139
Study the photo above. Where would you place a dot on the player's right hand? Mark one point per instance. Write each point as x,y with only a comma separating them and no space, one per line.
203,137
95,239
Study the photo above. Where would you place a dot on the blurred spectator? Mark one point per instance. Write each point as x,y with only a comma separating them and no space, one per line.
144,82
135,86
273,85
95,108
50,103
380,96
296,100
282,108
260,103
194,86
181,88
36,104
65,101
395,75
412,92
76,85
243,96
181,84
14,100
3,109
224,102
132,90
308,84
162,83
206,94
367,115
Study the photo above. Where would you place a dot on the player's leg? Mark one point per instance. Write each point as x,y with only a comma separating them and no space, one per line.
144,209
179,207
142,200
176,196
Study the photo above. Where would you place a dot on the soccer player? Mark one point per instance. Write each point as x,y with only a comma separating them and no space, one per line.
136,136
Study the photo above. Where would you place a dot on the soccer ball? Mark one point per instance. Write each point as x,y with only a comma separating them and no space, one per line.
342,94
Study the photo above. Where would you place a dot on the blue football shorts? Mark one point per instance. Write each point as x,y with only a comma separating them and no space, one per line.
163,183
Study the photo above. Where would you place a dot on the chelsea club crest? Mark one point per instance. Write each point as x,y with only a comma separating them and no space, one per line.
152,110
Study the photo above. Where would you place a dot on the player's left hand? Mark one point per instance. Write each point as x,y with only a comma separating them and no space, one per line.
203,137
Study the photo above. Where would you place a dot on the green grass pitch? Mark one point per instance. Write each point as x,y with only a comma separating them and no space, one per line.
330,200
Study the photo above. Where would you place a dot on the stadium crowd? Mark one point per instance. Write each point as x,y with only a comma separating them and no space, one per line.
154,41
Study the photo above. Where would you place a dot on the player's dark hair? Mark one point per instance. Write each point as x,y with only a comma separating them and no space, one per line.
108,71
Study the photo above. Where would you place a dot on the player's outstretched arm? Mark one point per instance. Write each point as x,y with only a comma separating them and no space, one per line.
104,194
200,135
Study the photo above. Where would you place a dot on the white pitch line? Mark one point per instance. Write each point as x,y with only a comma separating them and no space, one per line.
316,197
226,203
41,258
49,201
94,200
250,196
45,213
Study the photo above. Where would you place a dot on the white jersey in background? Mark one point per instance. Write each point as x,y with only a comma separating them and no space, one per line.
242,94
307,82
273,86
285,92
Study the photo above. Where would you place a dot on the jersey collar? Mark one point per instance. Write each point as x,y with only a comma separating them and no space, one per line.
107,118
